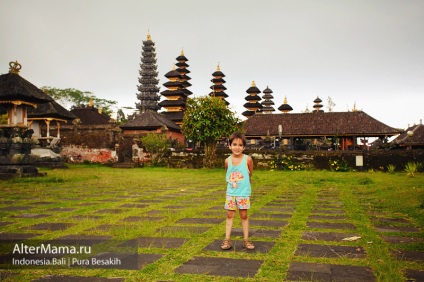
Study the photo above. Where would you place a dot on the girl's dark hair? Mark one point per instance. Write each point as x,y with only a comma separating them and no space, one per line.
237,135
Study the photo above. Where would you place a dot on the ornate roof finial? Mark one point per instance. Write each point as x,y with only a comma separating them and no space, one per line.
15,67
182,52
285,100
218,68
148,35
253,83
91,104
354,107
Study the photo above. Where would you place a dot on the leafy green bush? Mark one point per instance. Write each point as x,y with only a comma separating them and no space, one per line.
287,163
411,168
391,168
157,145
339,165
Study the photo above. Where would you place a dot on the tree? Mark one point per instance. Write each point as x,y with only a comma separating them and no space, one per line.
157,145
330,104
207,119
73,97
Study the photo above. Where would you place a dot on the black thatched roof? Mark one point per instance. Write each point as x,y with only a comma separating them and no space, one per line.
253,90
285,107
172,103
218,73
318,124
173,73
182,58
13,87
90,116
150,120
174,116
50,110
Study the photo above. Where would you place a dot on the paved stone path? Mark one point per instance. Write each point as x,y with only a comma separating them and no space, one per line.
321,240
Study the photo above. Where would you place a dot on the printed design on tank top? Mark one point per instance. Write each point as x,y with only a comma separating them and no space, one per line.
235,176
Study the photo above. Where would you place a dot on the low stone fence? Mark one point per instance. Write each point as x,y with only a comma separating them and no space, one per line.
291,160
79,154
298,160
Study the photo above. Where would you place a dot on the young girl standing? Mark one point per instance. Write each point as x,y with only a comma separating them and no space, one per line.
239,168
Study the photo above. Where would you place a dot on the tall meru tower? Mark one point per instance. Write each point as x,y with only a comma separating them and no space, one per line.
177,93
148,88
218,87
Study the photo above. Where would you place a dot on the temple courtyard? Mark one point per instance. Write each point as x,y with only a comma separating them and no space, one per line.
158,224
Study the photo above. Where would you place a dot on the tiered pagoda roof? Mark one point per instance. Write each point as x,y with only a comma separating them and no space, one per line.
177,92
148,88
218,87
252,99
317,106
268,103
182,69
176,97
285,108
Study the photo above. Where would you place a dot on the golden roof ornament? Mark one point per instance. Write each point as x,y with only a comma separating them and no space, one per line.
285,100
218,68
91,104
182,52
148,36
253,83
15,67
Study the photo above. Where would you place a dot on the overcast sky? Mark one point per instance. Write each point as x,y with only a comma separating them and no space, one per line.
366,52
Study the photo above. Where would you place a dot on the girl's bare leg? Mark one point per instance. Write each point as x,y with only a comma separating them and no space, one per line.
244,223
229,223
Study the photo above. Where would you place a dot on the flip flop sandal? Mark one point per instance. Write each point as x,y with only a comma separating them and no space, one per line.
226,244
248,245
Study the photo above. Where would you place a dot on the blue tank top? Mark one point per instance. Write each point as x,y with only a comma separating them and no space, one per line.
238,179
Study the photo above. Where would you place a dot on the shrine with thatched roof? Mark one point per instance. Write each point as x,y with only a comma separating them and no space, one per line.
317,130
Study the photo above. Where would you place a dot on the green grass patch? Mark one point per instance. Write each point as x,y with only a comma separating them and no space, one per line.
97,200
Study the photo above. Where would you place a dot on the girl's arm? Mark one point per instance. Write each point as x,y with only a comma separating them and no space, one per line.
250,167
226,164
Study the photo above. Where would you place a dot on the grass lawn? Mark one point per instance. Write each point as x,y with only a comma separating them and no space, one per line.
93,200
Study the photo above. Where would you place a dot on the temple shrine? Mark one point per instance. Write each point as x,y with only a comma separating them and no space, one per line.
218,87
253,105
148,87
17,95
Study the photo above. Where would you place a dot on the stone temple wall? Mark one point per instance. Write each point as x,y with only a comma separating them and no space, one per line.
372,160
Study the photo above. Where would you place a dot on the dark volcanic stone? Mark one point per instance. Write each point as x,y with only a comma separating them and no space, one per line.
221,267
